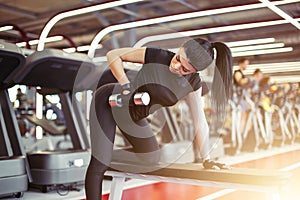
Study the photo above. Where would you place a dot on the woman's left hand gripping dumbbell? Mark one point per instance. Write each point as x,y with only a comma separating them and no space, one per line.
126,95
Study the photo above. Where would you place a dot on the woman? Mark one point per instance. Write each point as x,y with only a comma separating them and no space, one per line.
167,77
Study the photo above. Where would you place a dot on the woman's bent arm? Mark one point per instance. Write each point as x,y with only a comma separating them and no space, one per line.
116,58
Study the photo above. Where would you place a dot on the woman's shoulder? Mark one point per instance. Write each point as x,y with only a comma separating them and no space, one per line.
158,55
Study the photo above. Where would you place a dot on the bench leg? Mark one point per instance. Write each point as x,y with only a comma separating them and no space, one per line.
116,189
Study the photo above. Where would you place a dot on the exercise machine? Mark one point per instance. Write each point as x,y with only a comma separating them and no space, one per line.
59,71
14,169
233,140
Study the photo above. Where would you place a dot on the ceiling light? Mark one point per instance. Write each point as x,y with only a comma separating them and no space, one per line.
264,51
83,48
76,12
276,64
208,31
100,59
80,48
281,13
146,22
21,44
49,39
87,47
70,50
35,42
285,64
250,42
275,69
6,28
285,79
272,67
256,47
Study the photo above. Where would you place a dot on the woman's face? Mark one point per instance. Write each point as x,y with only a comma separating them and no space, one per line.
180,64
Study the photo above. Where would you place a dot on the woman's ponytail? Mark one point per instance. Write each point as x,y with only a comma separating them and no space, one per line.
221,89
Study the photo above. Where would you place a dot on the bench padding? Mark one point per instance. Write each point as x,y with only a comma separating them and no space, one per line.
262,177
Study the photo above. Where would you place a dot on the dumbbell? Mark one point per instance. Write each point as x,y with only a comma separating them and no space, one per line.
141,99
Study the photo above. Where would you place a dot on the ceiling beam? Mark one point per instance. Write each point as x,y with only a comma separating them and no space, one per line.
17,11
188,5
104,22
281,13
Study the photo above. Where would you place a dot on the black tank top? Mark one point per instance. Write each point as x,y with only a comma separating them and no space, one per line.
165,88
234,80
238,89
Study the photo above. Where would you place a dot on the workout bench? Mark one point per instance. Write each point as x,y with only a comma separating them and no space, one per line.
269,182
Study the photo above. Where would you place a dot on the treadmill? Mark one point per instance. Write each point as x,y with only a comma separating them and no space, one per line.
58,72
13,164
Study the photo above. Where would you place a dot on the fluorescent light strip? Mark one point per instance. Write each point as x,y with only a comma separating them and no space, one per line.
281,13
6,28
146,22
50,39
83,48
87,47
35,42
100,59
281,69
266,65
250,42
277,64
80,48
285,79
272,67
260,52
70,50
76,12
257,47
208,31
21,44
273,70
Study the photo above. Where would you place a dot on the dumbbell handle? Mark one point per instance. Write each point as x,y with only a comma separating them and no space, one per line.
142,98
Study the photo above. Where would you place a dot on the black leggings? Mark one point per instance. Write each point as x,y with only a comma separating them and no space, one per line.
103,122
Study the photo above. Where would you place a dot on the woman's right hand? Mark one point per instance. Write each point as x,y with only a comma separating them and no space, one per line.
126,88
126,93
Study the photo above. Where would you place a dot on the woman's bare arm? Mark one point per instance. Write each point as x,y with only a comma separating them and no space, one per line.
200,123
116,58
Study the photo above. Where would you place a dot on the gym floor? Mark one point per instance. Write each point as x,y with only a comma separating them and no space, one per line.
284,158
